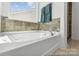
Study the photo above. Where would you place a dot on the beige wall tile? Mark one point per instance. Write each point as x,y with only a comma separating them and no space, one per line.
14,25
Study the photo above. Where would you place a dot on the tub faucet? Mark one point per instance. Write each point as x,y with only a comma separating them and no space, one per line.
51,33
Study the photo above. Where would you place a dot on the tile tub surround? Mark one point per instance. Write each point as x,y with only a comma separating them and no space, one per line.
54,25
15,25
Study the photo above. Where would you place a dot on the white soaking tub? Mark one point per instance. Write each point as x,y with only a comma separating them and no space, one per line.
38,40
27,35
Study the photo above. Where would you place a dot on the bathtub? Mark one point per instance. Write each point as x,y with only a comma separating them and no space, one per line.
31,39
27,35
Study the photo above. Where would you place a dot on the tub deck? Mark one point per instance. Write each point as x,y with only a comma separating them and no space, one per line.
18,44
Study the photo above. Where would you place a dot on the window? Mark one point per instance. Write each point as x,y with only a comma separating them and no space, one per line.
19,6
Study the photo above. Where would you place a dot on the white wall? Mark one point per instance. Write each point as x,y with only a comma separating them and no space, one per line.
29,15
64,24
0,16
60,10
75,20
0,8
5,9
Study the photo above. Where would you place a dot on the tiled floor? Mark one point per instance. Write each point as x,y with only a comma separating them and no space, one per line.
74,44
71,50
